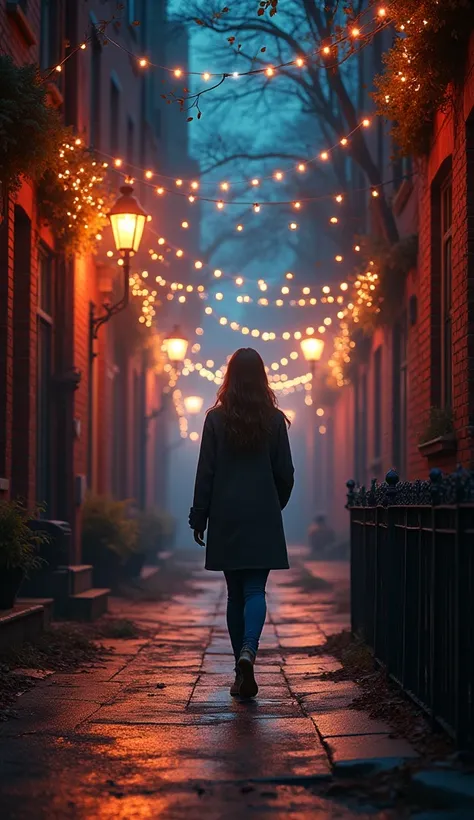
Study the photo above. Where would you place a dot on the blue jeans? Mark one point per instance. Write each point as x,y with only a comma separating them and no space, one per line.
246,607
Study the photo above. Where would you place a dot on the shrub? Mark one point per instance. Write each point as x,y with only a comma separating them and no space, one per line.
105,526
18,543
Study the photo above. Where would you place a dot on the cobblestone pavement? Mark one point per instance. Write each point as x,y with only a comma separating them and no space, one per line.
151,731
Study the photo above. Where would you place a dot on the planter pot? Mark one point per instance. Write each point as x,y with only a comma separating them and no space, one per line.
107,566
135,564
10,582
436,446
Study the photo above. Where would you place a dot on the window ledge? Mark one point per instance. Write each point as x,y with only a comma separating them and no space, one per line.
17,14
441,444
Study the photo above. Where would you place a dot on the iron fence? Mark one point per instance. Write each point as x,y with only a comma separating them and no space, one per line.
412,589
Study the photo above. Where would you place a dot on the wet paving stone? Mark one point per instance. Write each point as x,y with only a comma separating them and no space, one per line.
152,731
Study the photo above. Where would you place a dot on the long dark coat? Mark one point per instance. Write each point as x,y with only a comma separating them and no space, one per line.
239,497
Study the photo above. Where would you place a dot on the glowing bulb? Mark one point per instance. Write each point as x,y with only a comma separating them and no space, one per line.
239,281
177,72
256,208
217,273
59,69
224,186
357,247
375,193
220,205
366,123
339,198
240,227
160,191
179,182
293,226
194,185
355,32
344,141
324,155
198,264
206,76
288,276
338,258
278,175
326,50
334,220
148,174
191,198
143,62
285,289
255,182
297,205
83,46
219,297
110,254
299,62
117,163
179,253
269,71
301,167
382,12
185,224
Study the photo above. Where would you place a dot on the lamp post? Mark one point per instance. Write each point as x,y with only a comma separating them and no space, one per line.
176,346
312,349
127,219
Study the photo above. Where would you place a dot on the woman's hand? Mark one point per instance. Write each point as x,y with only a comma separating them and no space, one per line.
199,538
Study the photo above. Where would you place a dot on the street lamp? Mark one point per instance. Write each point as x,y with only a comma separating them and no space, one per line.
127,219
176,345
312,349
193,405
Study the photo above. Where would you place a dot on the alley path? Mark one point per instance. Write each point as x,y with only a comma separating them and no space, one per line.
152,731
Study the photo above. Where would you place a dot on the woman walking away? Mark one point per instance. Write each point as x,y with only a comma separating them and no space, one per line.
244,480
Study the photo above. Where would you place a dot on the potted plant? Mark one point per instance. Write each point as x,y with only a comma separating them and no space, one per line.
109,538
438,436
18,549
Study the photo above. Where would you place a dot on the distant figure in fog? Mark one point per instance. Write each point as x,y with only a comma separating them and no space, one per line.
244,479
320,536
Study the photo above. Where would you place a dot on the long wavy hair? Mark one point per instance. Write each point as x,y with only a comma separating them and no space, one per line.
246,400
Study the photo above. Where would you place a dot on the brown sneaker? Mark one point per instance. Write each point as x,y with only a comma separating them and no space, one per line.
235,688
248,686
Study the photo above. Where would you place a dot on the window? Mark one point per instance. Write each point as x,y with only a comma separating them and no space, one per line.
377,409
361,428
130,141
446,295
400,341
114,117
51,39
95,85
132,11
44,373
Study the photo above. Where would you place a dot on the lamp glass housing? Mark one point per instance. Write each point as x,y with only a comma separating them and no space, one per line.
176,345
127,219
193,404
312,348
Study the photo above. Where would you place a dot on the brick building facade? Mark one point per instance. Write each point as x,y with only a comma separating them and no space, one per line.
68,420
425,358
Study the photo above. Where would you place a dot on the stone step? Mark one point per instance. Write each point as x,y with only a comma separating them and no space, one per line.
88,605
80,578
22,623
149,573
46,603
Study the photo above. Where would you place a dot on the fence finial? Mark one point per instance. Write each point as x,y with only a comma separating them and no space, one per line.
350,493
392,478
436,477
